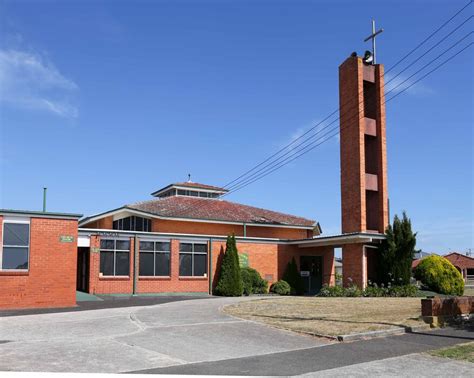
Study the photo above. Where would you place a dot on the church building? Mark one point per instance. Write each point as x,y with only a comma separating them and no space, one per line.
173,243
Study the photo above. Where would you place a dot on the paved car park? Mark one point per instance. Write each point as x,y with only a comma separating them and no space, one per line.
194,337
127,339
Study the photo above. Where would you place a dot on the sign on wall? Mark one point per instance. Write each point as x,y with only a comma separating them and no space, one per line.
243,260
66,239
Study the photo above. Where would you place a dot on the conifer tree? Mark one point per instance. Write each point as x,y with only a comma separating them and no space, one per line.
397,252
293,277
230,281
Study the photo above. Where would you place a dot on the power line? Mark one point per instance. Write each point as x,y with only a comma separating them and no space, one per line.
275,165
313,147
429,37
331,133
292,152
335,111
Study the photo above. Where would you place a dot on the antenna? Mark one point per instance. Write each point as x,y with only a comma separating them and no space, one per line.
189,177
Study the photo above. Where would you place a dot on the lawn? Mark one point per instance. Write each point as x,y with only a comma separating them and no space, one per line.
463,352
330,316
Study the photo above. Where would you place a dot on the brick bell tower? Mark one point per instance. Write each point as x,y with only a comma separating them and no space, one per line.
364,196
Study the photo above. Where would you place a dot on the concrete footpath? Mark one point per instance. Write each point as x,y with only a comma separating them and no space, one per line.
412,365
349,355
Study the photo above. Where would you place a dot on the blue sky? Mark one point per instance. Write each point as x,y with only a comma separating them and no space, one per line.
105,102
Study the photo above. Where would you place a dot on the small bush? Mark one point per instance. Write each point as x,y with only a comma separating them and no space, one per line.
438,274
281,287
331,291
403,291
370,291
353,291
252,281
293,277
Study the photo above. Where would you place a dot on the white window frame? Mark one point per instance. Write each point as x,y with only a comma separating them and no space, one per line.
155,251
17,220
192,253
115,250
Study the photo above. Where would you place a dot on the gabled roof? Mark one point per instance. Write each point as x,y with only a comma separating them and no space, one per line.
217,210
459,260
190,185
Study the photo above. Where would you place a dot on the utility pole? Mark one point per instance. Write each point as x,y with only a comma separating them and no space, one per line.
44,199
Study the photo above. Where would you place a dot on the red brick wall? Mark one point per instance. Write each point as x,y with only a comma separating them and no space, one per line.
269,259
107,285
51,279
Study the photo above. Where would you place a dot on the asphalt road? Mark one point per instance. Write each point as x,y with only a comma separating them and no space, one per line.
328,357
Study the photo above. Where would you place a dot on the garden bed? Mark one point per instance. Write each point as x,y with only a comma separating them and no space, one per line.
331,316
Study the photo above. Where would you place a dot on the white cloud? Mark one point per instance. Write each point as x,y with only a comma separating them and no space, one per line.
29,81
396,84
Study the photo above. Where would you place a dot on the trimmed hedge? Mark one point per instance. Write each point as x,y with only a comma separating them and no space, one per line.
280,287
438,274
253,283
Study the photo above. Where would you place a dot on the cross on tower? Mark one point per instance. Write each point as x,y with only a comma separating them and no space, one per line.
372,37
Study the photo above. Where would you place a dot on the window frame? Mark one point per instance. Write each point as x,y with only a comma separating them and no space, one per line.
154,252
26,221
115,250
118,224
193,253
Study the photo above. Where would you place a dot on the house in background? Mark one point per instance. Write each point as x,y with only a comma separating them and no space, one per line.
463,263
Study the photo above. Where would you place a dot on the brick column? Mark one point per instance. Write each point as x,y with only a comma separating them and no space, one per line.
354,265
174,260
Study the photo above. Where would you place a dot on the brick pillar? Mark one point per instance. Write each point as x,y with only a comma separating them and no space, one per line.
364,198
94,263
354,265
174,260
364,194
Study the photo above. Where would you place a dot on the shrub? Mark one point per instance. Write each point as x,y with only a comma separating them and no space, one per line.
439,275
252,282
396,252
373,290
281,287
331,291
293,277
352,291
230,282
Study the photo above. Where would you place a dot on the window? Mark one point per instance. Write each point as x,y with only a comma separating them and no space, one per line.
193,259
16,245
133,223
154,258
115,257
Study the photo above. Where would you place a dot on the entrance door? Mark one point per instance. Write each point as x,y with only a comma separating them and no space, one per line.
82,280
313,281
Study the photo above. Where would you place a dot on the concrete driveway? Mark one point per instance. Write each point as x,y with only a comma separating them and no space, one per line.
136,338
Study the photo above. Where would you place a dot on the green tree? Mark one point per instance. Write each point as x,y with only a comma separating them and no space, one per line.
439,275
397,251
230,281
293,278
